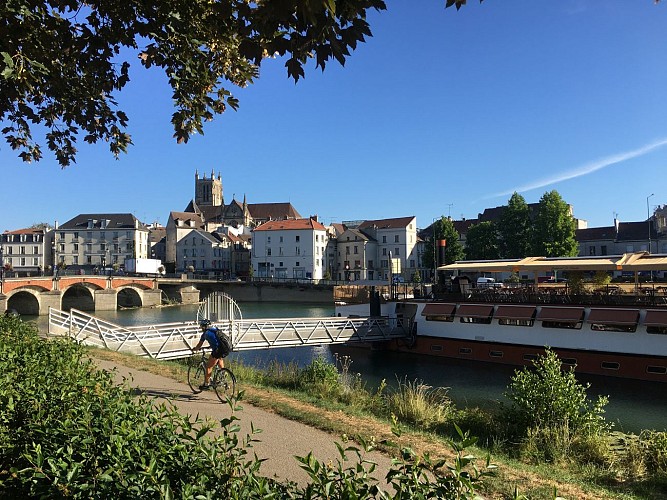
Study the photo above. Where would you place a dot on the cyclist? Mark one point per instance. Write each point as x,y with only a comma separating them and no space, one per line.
209,334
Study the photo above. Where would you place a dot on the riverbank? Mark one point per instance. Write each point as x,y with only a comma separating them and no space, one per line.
534,481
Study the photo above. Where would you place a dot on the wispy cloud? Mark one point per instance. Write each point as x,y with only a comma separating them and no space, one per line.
586,169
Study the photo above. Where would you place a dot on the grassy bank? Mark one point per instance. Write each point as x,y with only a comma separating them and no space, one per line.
68,431
582,464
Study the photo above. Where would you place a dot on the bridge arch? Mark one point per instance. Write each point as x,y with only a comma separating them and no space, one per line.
78,296
130,296
24,301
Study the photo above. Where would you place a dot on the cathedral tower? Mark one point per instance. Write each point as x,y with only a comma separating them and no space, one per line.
208,192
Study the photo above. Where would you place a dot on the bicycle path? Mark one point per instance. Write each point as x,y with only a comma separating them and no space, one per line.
280,441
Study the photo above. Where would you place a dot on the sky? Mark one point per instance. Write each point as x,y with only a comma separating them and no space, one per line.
441,112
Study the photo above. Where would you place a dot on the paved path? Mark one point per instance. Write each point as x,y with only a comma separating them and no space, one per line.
281,439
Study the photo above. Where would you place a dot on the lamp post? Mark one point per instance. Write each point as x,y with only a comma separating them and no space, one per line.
648,220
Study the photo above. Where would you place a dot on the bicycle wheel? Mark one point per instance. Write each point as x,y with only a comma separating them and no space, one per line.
196,372
224,383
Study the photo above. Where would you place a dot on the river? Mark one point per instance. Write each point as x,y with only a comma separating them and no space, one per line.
633,405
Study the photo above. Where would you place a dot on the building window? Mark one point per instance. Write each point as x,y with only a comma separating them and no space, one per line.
395,238
89,248
603,250
347,250
22,261
384,239
370,264
412,263
591,250
384,251
35,261
268,251
356,249
35,250
22,250
397,251
103,235
298,238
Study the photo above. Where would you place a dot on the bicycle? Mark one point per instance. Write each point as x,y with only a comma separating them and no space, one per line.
222,380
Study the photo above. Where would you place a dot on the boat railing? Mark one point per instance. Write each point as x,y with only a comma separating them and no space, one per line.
602,295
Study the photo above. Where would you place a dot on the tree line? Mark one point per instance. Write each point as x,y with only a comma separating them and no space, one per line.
548,231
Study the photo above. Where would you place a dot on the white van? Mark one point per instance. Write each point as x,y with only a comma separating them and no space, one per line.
484,282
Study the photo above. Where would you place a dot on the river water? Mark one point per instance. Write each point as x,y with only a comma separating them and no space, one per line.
633,405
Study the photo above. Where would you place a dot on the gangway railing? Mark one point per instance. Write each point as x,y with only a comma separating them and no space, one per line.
175,340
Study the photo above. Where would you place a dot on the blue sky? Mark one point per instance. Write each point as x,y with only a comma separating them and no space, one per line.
439,113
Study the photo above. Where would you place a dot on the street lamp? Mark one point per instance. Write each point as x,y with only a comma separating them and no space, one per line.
648,219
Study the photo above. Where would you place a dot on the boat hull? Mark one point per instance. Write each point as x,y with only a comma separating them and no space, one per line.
612,342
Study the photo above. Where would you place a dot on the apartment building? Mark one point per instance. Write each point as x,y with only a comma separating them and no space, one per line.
25,252
289,249
100,240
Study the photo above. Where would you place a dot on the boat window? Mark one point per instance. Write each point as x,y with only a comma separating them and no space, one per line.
613,320
436,347
562,324
496,354
530,357
656,322
516,322
603,327
515,315
569,361
475,313
610,365
439,312
448,319
465,350
562,317
657,370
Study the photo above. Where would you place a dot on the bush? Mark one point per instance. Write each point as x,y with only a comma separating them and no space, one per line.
654,444
67,431
548,397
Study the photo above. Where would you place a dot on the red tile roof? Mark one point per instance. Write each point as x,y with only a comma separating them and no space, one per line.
290,224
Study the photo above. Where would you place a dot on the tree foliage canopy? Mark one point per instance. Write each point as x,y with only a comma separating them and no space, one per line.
554,228
482,241
515,229
62,61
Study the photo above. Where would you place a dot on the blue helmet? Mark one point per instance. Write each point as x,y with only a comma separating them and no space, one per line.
204,323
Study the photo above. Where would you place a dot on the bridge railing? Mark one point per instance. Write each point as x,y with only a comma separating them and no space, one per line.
175,340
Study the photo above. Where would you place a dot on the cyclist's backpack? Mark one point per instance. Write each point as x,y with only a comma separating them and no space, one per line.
224,343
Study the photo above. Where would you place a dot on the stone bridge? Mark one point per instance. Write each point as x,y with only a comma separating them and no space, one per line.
34,296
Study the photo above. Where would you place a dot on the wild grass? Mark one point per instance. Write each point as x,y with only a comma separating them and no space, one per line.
634,467
419,404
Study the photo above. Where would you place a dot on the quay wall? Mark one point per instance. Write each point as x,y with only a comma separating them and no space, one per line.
267,292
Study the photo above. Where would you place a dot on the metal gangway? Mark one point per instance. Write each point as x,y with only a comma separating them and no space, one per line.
175,340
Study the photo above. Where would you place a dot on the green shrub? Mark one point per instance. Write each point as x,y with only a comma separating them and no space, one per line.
548,397
66,430
654,444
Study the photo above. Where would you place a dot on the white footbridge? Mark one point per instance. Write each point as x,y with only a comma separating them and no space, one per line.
175,340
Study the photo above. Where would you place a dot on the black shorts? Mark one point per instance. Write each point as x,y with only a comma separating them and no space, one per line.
219,353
